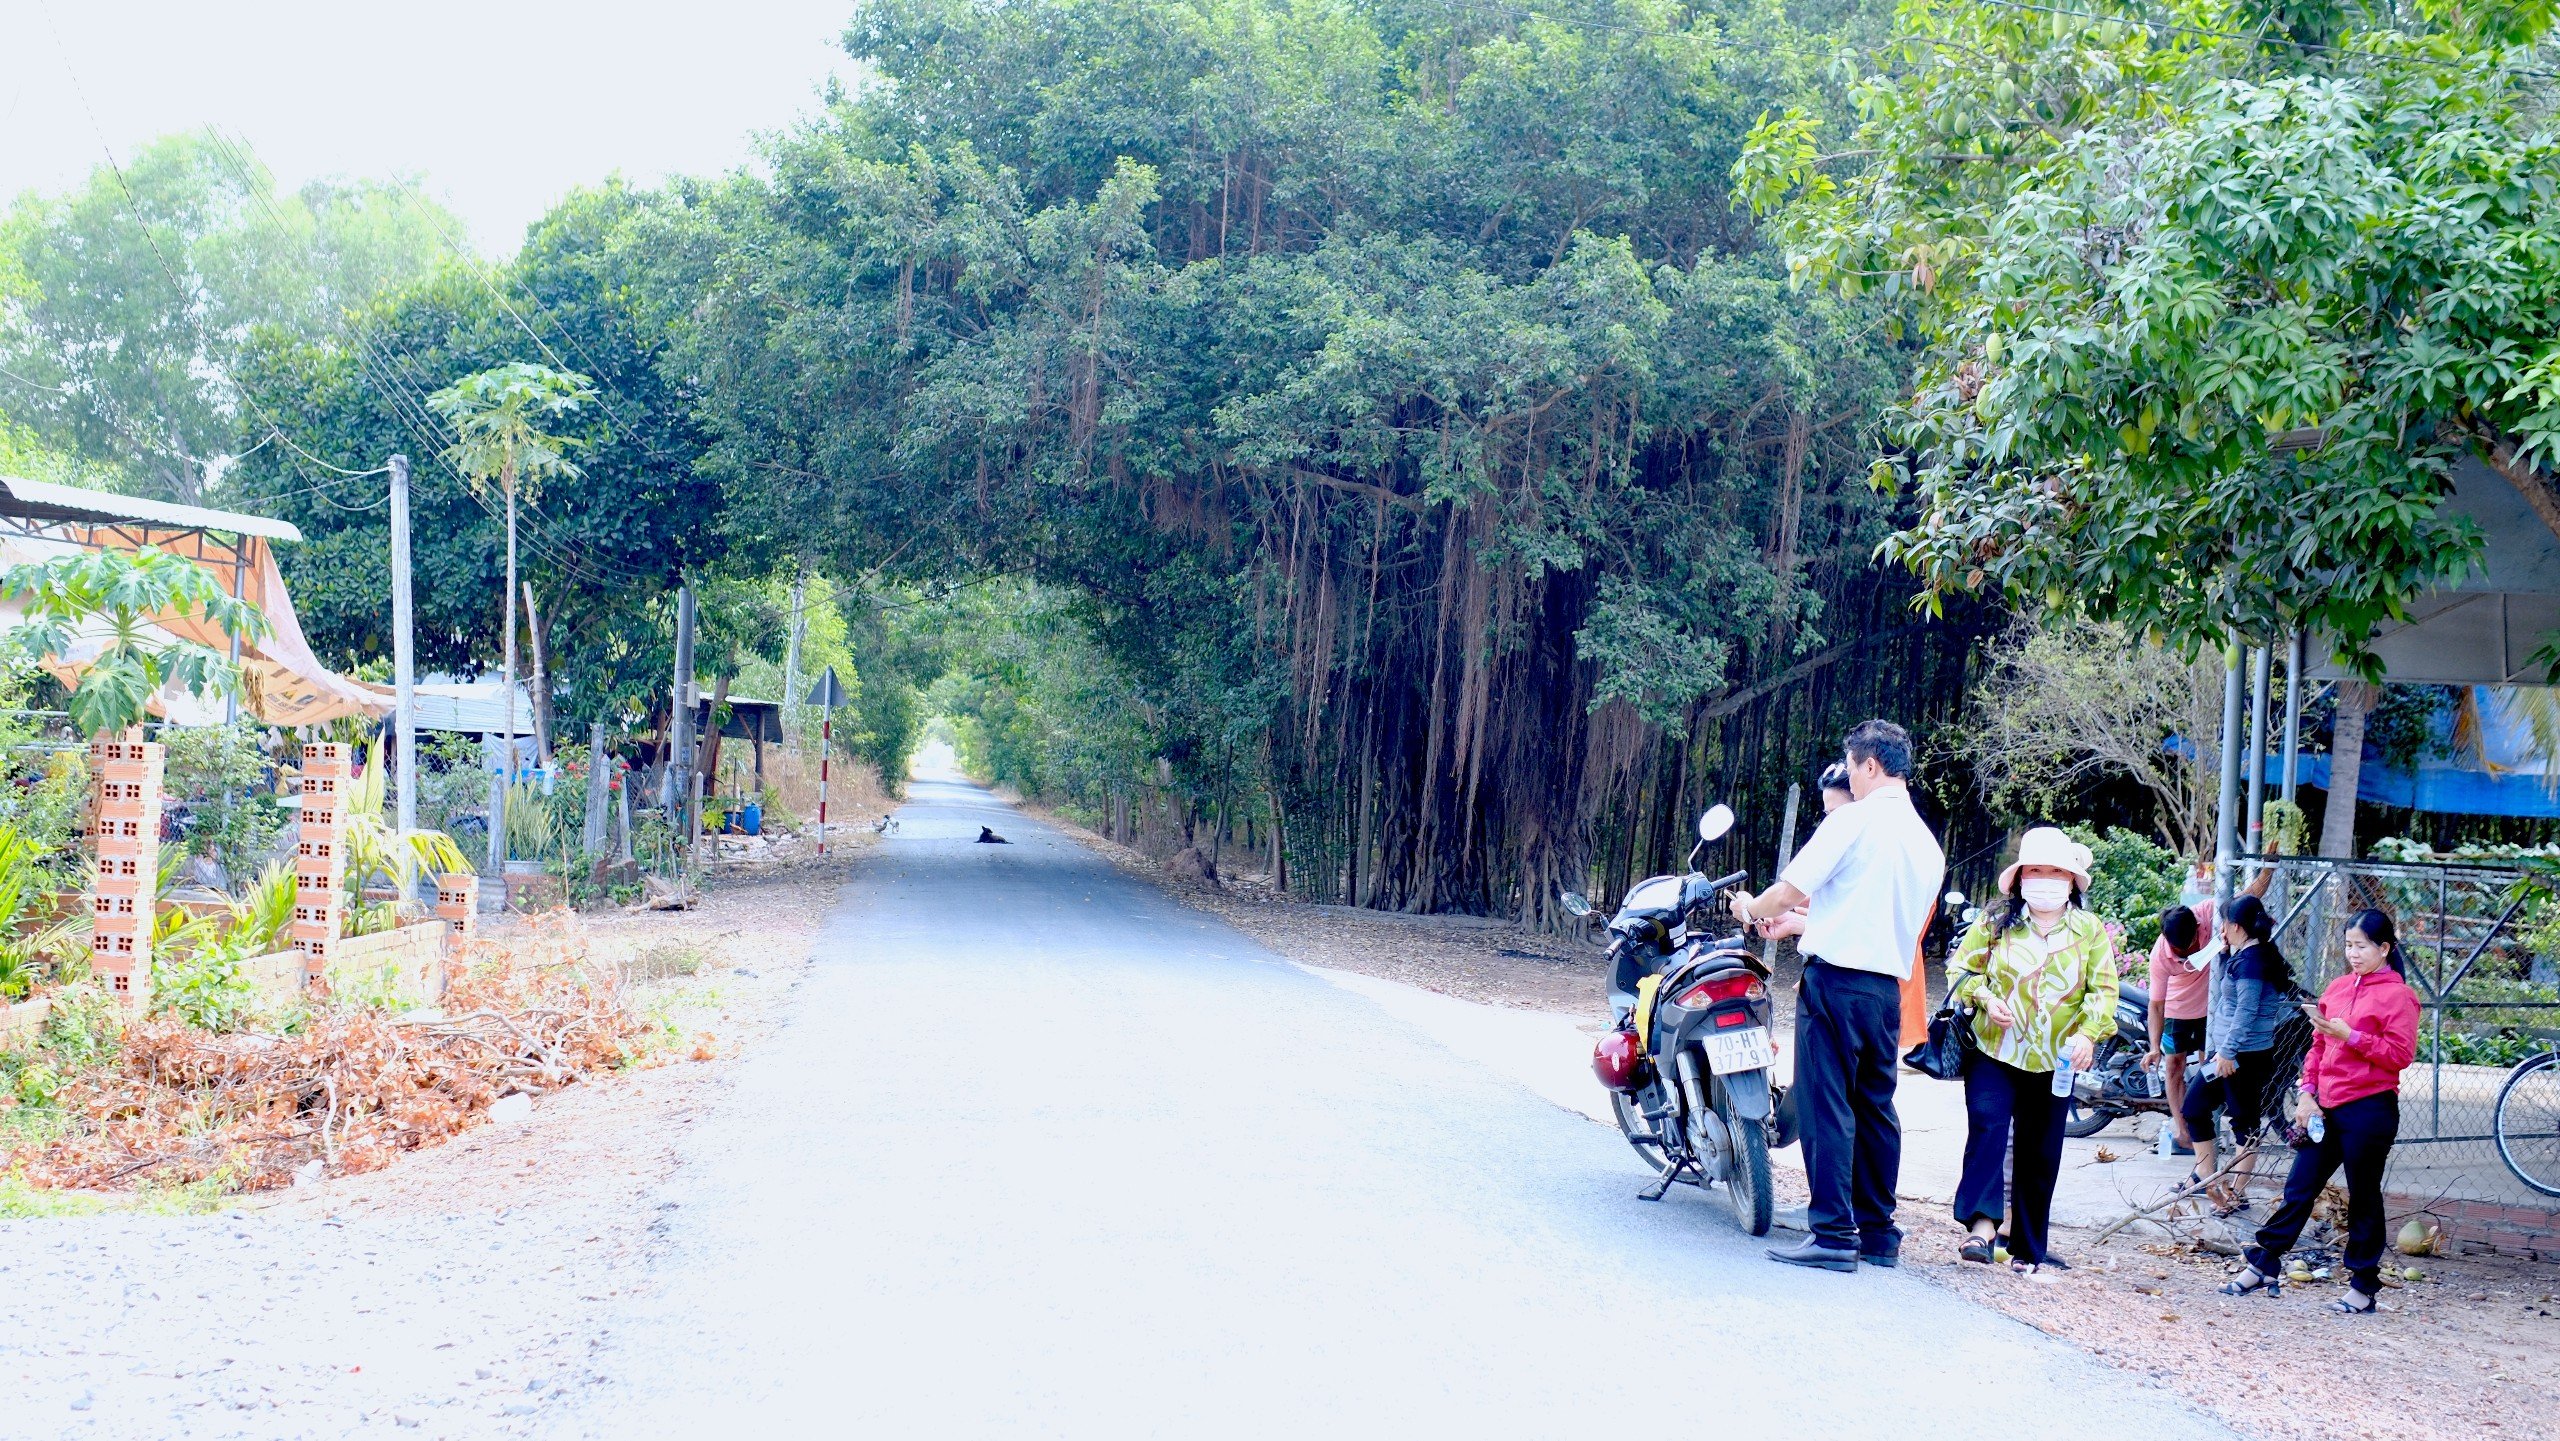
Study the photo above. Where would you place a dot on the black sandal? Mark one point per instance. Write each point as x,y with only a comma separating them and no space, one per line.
1976,1249
2350,1308
2249,1282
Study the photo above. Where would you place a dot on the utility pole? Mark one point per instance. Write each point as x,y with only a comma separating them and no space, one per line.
2295,662
2261,678
2226,810
791,653
507,680
678,790
404,650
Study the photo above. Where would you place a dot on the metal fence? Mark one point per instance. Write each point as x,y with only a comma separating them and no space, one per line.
2479,986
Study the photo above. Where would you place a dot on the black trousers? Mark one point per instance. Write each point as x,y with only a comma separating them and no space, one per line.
2359,1138
1848,1031
2000,1101
2242,1094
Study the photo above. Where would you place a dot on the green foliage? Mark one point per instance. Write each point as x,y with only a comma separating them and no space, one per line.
204,985
262,913
2208,319
2288,828
500,417
223,773
2132,879
602,548
95,608
82,1028
136,293
33,940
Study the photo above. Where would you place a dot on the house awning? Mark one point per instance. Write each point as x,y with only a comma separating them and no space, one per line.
282,682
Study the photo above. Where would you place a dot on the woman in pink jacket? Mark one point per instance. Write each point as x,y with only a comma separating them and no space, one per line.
2367,1021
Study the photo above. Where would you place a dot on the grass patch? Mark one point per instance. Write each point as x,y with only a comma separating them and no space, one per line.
666,961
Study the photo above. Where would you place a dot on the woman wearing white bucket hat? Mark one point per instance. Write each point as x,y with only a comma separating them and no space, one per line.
2039,975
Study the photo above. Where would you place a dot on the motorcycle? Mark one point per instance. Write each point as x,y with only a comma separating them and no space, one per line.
1690,1066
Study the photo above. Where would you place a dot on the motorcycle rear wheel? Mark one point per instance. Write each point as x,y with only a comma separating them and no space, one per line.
1638,1131
1746,1184
2082,1120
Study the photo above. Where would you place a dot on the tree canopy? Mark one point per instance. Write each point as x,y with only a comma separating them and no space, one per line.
2213,296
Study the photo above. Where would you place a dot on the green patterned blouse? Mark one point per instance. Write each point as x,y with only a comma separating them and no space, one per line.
2058,985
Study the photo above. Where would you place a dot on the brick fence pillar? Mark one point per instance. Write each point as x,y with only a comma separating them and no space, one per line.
320,856
458,906
124,832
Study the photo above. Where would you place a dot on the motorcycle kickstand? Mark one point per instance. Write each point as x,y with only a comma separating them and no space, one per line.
1661,1188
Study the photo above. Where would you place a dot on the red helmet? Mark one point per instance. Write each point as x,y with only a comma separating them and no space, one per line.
1617,1060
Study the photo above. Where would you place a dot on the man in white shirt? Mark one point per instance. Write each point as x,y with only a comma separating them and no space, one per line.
1867,879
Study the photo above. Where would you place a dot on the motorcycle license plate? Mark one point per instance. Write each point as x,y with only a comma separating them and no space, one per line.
1747,1049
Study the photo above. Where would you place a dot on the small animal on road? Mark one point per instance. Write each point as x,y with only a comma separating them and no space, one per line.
988,837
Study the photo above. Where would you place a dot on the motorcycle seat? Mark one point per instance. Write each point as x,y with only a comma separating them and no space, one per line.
2134,994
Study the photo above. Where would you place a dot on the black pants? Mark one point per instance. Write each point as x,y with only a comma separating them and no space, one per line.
1848,1028
2001,1100
2243,1094
2359,1138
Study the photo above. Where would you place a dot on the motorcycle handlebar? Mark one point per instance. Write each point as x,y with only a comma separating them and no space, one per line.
1726,883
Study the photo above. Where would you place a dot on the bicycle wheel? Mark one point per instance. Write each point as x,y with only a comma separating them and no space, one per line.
2528,1123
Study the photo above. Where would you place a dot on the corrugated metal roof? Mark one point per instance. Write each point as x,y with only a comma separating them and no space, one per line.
43,500
474,707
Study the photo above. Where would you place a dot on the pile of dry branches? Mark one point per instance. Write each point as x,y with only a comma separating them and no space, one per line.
352,1086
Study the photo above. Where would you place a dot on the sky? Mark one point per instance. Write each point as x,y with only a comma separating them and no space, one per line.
502,108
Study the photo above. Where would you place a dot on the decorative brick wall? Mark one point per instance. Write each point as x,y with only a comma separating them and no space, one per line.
124,834
320,856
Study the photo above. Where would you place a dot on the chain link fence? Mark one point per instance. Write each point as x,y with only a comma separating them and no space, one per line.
2485,997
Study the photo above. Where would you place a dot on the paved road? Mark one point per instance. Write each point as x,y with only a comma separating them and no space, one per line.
1045,1154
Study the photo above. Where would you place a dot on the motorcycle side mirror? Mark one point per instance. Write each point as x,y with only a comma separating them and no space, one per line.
1955,901
1717,820
1972,914
1577,903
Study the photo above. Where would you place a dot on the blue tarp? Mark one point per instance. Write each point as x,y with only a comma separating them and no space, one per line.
2445,788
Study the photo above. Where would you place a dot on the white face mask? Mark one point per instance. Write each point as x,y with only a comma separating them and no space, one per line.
2045,894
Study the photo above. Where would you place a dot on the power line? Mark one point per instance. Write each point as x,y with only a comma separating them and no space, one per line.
413,413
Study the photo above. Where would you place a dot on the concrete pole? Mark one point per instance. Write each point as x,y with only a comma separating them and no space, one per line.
404,651
791,654
599,792
506,773
2296,656
2226,813
678,790
2261,664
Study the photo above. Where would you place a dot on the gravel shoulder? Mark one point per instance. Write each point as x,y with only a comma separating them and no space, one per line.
2471,1350
456,1293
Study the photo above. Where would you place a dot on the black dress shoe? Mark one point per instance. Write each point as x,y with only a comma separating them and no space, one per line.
1886,1259
1815,1254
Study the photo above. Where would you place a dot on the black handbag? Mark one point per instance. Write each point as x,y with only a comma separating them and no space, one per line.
1950,1045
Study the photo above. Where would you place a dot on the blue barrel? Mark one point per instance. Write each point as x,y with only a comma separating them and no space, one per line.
751,820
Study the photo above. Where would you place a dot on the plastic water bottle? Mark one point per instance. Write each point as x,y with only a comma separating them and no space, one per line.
2062,1077
2318,1129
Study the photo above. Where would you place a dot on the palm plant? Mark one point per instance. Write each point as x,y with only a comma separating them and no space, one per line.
377,852
498,415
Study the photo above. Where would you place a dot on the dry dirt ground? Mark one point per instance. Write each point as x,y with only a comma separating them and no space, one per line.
2471,1350
450,1294
722,971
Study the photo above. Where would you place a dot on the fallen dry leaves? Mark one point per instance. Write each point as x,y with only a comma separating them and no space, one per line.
351,1087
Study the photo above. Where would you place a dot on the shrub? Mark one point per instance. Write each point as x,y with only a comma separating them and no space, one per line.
2132,879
